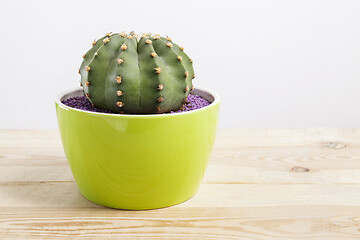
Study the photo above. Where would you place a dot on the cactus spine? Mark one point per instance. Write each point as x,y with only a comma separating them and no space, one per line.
126,74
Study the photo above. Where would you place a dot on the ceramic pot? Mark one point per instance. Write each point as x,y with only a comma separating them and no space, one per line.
136,162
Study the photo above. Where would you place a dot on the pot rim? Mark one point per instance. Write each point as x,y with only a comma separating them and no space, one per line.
216,101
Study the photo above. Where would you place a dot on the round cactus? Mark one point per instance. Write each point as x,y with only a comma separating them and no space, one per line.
125,73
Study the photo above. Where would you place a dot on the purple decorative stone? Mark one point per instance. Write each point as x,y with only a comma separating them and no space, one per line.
82,103
193,102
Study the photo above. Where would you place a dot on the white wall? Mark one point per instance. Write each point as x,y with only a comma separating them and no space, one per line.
275,63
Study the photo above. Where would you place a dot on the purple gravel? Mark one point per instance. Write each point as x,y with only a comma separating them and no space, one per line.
82,103
194,102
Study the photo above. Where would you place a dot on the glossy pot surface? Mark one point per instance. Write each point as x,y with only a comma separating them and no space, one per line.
138,162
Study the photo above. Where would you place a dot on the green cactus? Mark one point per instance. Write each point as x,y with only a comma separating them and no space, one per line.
125,73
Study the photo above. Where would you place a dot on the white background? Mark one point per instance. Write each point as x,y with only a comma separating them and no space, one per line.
274,63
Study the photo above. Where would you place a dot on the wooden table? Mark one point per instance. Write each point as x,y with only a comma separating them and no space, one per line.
260,184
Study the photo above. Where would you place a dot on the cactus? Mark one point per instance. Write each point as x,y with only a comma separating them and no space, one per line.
127,73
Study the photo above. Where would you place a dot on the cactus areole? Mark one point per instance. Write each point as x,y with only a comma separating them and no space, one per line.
127,73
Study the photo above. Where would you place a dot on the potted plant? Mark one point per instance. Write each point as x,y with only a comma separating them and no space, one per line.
139,156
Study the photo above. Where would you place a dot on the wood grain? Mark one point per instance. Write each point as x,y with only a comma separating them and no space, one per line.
298,222
260,184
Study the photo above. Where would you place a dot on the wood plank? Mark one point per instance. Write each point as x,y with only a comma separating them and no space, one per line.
260,184
240,156
280,223
215,174
66,195
31,148
283,137
226,138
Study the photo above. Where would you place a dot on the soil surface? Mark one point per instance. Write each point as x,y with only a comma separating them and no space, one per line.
193,102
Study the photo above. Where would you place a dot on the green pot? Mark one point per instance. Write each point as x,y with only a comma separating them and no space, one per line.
138,162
